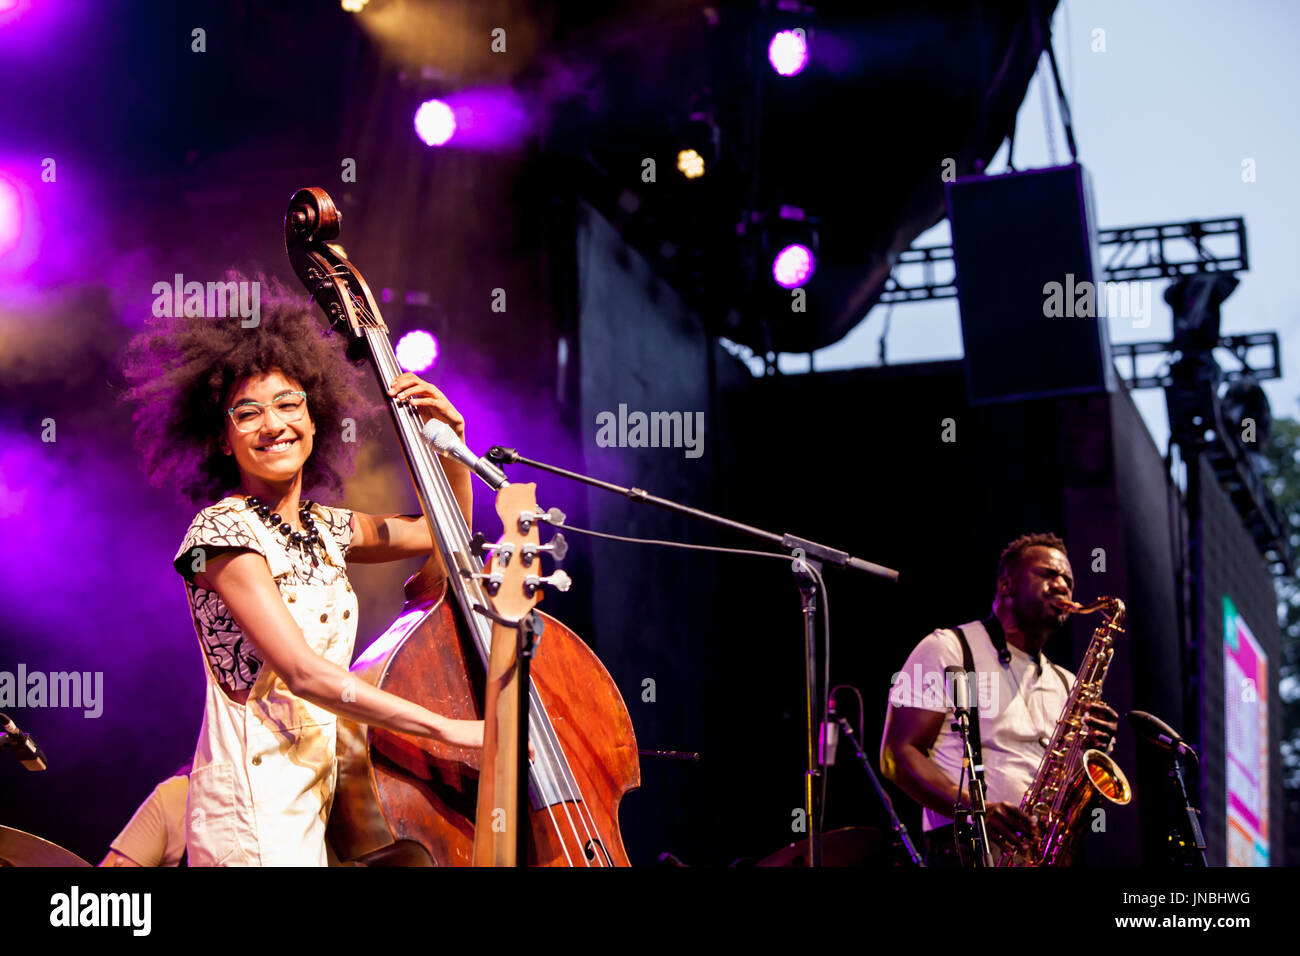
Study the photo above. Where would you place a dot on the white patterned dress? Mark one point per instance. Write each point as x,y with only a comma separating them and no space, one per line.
264,771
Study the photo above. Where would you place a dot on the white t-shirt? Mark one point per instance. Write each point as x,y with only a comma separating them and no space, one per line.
1018,710
156,834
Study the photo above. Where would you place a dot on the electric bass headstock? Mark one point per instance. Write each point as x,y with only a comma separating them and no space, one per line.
513,576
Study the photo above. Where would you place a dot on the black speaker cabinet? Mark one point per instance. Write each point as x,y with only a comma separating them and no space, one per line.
1023,246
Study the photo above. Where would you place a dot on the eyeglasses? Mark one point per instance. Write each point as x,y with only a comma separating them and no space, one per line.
249,415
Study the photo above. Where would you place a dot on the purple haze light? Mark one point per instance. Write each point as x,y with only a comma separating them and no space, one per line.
417,351
435,123
793,266
490,118
788,52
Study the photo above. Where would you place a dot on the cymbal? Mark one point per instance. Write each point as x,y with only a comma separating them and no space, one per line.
22,849
848,846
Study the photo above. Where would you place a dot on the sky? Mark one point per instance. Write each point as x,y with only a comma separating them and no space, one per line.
1164,116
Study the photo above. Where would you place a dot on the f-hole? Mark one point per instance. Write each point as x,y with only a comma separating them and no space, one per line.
589,848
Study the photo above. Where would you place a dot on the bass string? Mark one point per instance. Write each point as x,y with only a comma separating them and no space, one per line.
553,754
553,767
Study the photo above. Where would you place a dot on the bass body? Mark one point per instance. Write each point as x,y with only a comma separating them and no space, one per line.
410,801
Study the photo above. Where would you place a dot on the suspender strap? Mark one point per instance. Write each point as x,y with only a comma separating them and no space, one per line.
968,667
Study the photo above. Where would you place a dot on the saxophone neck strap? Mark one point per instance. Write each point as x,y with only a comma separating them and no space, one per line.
998,636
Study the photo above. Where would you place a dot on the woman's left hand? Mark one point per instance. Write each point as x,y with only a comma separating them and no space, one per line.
428,401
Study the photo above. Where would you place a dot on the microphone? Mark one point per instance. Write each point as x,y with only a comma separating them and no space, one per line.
956,678
29,755
1155,730
830,734
443,440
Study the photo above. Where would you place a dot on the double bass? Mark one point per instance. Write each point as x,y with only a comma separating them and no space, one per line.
408,801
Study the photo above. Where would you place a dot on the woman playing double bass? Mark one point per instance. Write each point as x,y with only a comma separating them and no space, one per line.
254,417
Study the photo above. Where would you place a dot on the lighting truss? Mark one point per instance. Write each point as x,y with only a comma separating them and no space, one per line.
1162,250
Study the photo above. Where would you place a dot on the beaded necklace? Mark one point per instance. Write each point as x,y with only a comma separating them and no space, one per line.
305,541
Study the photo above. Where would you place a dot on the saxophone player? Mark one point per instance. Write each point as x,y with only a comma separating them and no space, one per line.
1018,695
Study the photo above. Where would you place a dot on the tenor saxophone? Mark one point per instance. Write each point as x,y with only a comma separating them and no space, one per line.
1072,778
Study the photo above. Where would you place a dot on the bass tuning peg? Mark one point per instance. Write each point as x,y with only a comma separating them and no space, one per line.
478,545
557,547
553,517
558,580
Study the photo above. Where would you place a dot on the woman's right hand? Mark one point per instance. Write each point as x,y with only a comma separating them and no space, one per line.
469,733
462,733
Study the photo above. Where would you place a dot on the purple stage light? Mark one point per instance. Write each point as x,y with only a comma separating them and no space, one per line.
793,266
788,52
486,119
435,123
417,351
11,10
24,241
11,215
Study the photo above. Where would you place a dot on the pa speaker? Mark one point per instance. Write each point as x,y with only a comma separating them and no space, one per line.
1025,255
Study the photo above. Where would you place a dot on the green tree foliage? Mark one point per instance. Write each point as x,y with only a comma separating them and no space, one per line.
1283,453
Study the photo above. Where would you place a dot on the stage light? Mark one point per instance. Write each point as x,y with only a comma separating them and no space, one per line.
417,351
354,6
1244,400
788,52
793,266
12,10
435,123
699,140
791,243
11,216
690,164
1196,300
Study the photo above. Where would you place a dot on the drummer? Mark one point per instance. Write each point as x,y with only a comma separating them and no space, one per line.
156,834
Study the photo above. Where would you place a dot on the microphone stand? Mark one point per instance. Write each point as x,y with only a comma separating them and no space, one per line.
1156,732
980,839
808,556
1198,838
806,576
898,826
